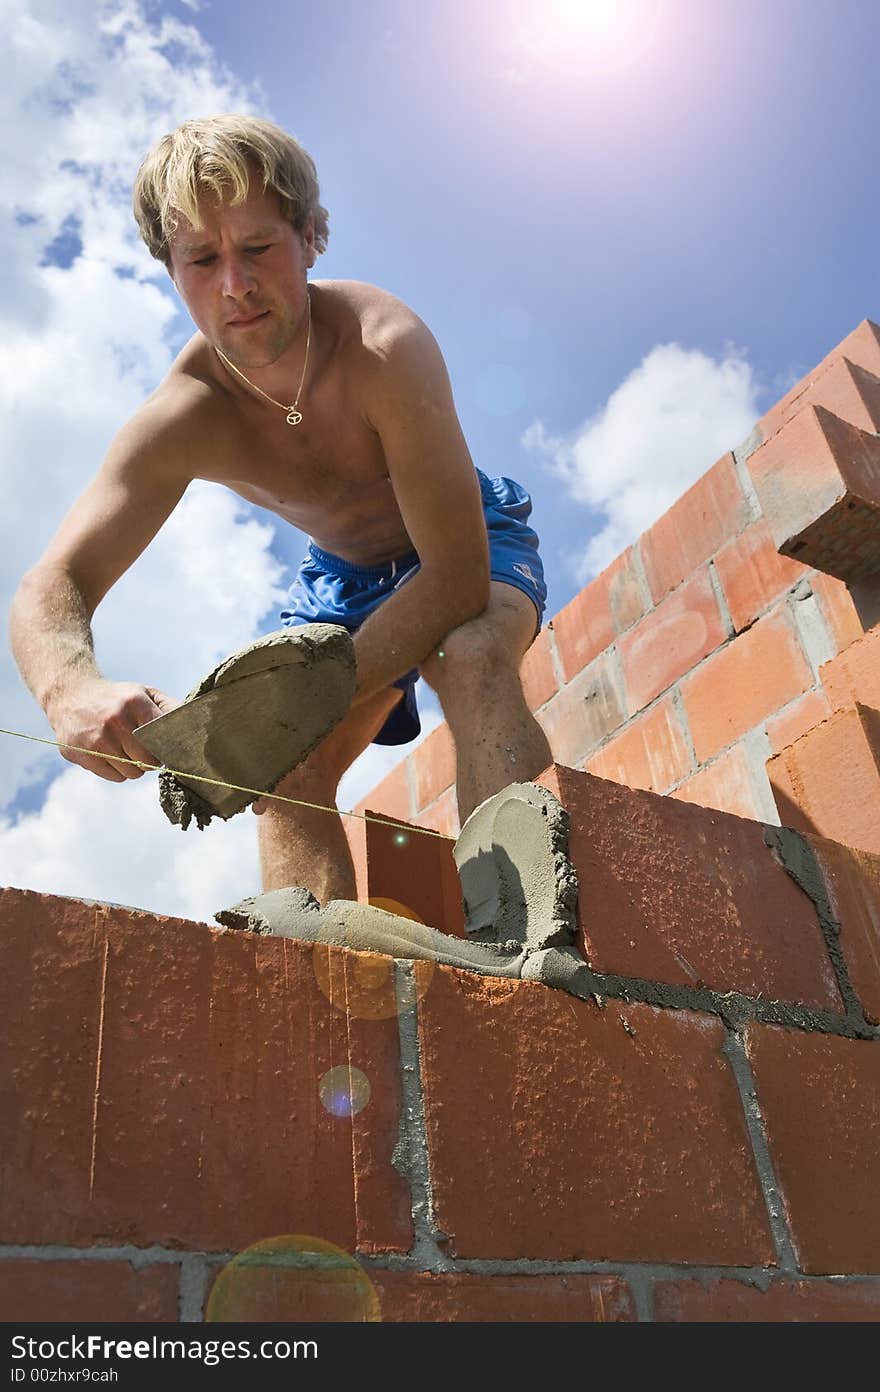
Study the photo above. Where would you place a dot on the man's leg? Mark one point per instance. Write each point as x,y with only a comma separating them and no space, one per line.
304,846
475,672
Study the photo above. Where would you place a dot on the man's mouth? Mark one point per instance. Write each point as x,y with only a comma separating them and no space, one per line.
245,323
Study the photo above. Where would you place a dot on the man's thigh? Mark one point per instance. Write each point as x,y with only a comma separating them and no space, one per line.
346,742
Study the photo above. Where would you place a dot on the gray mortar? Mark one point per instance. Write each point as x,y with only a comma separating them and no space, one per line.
734,1009
742,452
516,879
795,854
721,601
251,720
411,1156
193,1289
520,893
815,636
758,750
734,1050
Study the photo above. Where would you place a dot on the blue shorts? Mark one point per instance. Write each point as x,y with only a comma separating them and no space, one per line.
330,590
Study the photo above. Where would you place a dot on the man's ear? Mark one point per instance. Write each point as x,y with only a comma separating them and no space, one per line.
308,236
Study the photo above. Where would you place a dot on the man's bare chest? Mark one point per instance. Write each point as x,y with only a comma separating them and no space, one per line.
327,475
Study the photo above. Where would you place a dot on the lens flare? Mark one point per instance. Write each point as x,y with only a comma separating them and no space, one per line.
293,1279
344,1091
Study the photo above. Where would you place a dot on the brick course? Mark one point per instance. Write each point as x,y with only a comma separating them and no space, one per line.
820,1099
684,895
632,1146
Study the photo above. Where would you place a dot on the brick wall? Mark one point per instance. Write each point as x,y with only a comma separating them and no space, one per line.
205,1124
696,663
698,1140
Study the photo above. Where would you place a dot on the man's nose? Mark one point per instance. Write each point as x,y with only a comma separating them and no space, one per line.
238,279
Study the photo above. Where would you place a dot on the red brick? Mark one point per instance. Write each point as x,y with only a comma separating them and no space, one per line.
819,1096
693,529
152,1060
854,675
442,815
583,713
811,794
838,609
838,383
459,1297
818,482
757,674
433,763
391,797
401,869
111,1292
537,672
682,895
609,605
463,1298
727,784
784,1302
753,574
796,719
853,881
286,1280
650,753
666,644
562,1131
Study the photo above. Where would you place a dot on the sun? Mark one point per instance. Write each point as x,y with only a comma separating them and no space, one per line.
583,36
594,19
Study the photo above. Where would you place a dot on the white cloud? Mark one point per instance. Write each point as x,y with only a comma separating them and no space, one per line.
112,842
660,430
88,86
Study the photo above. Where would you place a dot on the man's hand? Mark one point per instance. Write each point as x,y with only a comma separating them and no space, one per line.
100,715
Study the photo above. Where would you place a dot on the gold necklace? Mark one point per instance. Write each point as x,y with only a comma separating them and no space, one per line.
294,416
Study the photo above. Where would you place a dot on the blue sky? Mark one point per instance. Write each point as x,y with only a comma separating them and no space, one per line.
630,225
554,212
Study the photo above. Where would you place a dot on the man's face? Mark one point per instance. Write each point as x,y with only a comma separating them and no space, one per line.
242,275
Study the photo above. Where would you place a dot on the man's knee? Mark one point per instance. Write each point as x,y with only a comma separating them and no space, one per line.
473,653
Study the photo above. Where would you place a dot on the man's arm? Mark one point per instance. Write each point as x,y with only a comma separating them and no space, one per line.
141,481
410,405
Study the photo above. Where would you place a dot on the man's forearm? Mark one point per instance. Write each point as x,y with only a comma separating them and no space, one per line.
50,634
408,626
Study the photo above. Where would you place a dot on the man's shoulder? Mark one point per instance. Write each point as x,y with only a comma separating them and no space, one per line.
375,318
180,411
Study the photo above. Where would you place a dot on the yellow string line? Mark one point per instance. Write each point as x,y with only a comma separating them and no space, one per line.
237,787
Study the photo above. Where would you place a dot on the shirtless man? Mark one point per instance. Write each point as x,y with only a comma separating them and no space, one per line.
427,561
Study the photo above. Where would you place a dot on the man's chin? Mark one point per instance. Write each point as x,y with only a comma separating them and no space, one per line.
249,357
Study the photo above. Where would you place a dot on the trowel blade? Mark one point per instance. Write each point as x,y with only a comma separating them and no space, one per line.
267,709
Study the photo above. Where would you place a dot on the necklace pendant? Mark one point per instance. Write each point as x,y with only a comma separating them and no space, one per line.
294,416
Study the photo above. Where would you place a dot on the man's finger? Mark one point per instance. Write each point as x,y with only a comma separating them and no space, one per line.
162,701
94,763
133,749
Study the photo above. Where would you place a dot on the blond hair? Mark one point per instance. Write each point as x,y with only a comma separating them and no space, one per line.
218,155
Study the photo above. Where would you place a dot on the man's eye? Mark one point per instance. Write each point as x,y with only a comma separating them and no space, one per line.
258,250
203,261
